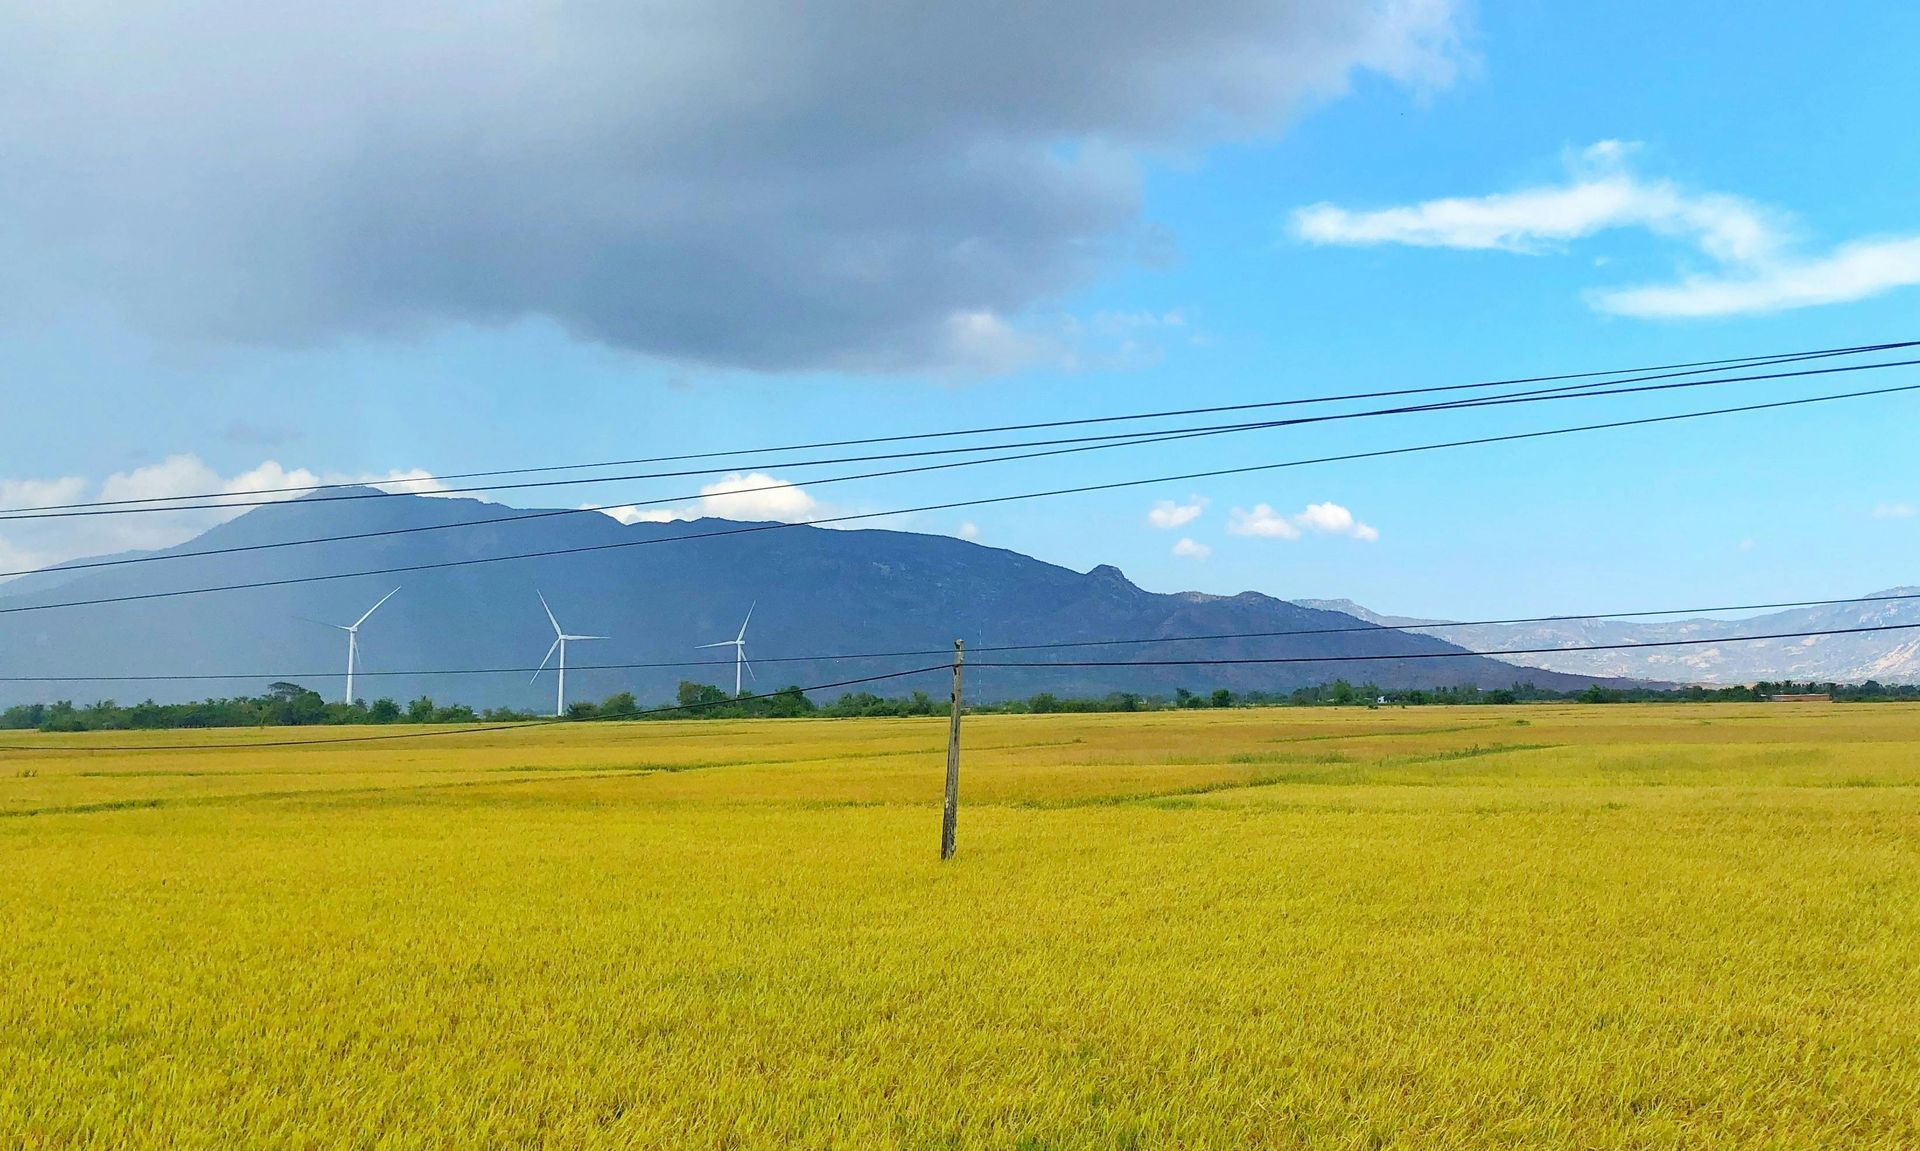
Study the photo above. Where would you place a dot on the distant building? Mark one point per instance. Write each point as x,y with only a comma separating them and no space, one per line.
1815,697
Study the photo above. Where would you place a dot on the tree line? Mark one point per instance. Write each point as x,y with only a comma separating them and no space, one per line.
291,705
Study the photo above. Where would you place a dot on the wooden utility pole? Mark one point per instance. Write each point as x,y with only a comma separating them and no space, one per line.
950,816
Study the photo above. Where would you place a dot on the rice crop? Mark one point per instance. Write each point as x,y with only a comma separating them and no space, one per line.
1566,926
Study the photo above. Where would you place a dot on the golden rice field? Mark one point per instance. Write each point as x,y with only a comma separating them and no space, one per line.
1588,927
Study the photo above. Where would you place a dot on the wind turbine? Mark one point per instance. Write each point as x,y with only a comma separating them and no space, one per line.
560,639
353,639
739,645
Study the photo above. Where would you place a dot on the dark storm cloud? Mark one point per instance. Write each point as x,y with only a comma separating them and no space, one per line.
856,185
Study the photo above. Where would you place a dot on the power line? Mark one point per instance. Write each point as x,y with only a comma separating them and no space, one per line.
1460,654
232,500
915,653
747,529
1110,441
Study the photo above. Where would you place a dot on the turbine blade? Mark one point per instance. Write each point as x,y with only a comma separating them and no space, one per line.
722,643
374,608
589,637
549,611
748,620
543,661
749,666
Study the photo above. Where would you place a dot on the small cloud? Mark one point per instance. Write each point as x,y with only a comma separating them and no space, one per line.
1167,514
1262,521
633,515
1746,545
738,496
413,481
1192,549
1334,520
1317,519
1898,511
969,531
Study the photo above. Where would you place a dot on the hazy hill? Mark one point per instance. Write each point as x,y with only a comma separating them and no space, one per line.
1348,607
1890,657
819,591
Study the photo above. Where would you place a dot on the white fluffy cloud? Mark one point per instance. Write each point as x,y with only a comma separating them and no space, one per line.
1747,241
1601,194
738,496
969,531
1315,519
25,494
1167,514
1852,271
28,544
1893,511
757,496
1191,548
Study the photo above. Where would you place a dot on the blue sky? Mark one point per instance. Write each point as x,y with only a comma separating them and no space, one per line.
1737,167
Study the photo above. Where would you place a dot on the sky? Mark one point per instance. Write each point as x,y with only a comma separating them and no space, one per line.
243,247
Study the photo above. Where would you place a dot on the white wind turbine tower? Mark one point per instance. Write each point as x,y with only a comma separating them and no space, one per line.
560,639
739,645
353,639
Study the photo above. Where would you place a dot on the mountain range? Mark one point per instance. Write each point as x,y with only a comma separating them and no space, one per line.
1889,657
657,590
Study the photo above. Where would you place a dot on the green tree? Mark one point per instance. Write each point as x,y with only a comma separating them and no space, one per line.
619,704
789,702
701,698
291,704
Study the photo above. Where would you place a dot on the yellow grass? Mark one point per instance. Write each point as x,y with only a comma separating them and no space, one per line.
1598,927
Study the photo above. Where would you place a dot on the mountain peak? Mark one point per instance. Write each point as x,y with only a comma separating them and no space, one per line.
344,491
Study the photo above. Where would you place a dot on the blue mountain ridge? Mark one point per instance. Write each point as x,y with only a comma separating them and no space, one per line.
658,590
